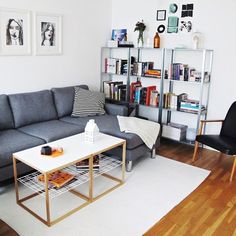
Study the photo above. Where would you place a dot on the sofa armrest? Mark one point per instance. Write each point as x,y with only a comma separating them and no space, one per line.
115,109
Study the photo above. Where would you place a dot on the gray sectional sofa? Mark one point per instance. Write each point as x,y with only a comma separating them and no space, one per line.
35,118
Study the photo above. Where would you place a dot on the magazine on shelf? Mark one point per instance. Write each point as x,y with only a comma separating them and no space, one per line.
84,165
57,179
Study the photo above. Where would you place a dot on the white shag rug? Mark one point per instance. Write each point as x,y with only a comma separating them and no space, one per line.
151,190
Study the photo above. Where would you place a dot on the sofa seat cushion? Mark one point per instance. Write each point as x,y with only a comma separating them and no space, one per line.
13,141
108,124
29,108
52,130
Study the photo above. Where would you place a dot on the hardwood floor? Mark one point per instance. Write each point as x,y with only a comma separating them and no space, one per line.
6,230
211,208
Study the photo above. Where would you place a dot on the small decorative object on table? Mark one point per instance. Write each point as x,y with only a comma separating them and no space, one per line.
140,27
91,131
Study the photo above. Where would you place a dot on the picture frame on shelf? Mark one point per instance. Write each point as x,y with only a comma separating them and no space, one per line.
15,32
47,34
161,15
119,34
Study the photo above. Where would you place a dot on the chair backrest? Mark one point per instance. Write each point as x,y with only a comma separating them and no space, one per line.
229,124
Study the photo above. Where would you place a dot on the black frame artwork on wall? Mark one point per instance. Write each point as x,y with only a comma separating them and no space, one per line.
161,15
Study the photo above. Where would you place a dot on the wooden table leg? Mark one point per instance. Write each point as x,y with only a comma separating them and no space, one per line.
91,178
15,179
47,199
123,160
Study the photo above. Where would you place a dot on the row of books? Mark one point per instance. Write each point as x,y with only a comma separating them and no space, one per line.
60,178
120,67
181,103
115,90
115,66
182,72
145,69
148,96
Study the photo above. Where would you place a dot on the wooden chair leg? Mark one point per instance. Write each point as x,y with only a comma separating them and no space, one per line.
233,169
195,150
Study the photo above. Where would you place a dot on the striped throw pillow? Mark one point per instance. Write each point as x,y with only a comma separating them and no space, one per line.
88,103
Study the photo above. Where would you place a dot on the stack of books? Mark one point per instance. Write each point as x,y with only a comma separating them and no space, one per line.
84,165
190,105
57,179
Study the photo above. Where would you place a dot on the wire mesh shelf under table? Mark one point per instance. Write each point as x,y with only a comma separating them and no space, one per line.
31,181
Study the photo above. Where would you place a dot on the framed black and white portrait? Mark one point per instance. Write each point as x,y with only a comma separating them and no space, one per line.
15,35
48,34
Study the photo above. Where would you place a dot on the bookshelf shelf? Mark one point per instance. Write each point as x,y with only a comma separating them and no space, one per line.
187,82
189,112
81,176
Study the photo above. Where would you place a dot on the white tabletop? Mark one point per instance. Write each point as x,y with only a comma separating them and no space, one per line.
75,148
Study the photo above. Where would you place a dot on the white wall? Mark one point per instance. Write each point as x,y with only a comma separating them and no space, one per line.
214,19
86,26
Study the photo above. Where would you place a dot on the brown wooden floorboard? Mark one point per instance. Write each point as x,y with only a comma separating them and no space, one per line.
211,208
6,230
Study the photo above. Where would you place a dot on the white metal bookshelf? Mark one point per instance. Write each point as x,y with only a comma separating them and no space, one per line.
167,57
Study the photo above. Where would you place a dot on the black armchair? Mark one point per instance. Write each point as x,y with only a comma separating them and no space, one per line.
225,142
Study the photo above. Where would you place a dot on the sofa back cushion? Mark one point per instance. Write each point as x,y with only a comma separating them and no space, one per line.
64,99
6,118
29,108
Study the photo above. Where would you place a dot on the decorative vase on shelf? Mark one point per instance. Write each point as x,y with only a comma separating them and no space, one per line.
156,41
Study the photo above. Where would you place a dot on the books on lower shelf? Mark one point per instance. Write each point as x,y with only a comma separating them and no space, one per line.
84,165
115,90
174,131
57,179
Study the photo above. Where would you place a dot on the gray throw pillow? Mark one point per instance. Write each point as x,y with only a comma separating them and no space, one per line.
88,103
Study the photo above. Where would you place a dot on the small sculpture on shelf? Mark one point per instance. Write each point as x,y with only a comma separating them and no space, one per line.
140,27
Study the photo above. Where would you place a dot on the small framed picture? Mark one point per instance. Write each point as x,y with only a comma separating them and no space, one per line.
15,32
119,34
161,15
48,34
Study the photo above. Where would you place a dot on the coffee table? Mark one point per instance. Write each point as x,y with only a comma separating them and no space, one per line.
75,150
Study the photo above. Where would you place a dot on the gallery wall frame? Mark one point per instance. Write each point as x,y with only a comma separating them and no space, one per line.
15,32
47,34
161,15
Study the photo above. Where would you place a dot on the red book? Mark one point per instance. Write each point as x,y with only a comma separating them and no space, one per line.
149,89
133,86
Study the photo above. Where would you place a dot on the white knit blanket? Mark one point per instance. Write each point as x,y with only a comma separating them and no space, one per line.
147,130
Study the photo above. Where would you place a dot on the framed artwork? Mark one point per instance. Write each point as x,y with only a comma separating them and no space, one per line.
119,34
48,34
161,15
15,35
